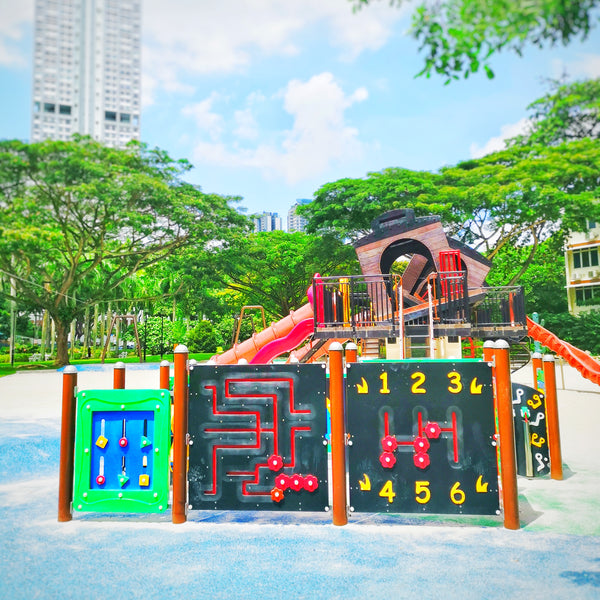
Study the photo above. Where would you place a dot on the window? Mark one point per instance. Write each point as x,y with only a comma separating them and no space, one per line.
49,107
64,109
110,115
587,296
125,118
585,258
591,224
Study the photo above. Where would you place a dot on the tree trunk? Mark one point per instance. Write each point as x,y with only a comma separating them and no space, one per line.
62,350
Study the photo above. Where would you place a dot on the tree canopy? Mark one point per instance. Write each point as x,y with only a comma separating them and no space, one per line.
506,204
458,37
77,219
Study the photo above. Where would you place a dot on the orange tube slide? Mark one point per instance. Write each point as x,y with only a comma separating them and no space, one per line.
248,348
589,367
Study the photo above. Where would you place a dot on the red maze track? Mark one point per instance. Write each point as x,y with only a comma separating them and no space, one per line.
258,429
580,360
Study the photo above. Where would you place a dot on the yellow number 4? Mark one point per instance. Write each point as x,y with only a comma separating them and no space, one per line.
387,491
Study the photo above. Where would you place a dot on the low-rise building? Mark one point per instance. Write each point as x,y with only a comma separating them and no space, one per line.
582,266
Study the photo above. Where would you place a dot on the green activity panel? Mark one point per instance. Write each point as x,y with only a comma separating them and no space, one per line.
122,451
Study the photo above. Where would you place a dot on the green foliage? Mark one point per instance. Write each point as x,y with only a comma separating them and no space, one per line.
567,112
583,331
459,37
78,219
543,280
157,333
202,338
274,269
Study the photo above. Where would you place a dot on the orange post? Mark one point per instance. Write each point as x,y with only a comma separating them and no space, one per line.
351,353
180,410
338,435
506,436
488,351
67,444
119,376
536,363
556,471
164,375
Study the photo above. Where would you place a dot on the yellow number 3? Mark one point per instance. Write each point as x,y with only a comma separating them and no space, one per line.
455,384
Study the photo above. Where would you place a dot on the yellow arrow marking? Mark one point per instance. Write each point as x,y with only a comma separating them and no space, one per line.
476,387
365,485
362,387
481,487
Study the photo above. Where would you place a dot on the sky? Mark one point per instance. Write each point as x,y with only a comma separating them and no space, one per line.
271,99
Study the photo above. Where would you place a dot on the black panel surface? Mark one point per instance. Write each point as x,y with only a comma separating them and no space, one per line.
439,416
257,435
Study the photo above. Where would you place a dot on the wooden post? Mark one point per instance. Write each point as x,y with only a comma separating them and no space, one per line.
180,410
338,434
164,374
119,376
351,352
556,471
506,436
67,444
536,363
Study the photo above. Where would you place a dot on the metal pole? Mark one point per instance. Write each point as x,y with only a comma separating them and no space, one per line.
180,393
164,375
338,435
67,444
506,436
351,352
552,424
119,376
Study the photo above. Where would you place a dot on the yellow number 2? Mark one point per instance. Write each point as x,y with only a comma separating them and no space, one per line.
419,380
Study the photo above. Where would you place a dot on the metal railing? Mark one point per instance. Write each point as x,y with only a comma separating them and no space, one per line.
500,307
357,302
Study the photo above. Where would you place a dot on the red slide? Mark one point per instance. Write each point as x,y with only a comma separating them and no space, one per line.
284,344
589,367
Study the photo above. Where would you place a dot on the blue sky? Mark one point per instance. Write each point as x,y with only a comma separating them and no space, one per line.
271,99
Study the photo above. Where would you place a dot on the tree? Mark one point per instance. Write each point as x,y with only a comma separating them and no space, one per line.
274,269
566,113
78,219
347,207
460,36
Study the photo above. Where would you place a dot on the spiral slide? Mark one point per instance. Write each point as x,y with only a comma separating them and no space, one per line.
580,360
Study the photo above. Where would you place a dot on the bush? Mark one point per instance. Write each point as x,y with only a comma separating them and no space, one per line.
583,331
202,338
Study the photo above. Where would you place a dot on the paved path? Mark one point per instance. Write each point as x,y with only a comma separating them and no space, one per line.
556,554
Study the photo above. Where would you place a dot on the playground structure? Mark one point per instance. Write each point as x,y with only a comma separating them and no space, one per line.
396,435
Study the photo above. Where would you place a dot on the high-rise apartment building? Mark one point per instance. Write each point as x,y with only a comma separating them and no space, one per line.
86,72
294,221
267,221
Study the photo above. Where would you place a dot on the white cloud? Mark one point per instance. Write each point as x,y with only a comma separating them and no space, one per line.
247,127
190,38
497,143
15,17
205,118
318,137
585,66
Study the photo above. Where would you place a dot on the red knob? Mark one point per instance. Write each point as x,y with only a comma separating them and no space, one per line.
311,483
282,481
433,430
387,460
421,460
296,482
100,480
275,462
123,442
421,444
389,443
276,495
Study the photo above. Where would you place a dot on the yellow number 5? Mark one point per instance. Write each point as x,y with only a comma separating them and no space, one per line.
422,487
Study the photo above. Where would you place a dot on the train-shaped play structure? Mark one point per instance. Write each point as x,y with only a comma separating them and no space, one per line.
422,430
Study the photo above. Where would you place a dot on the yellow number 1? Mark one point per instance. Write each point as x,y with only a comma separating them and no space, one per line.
384,386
